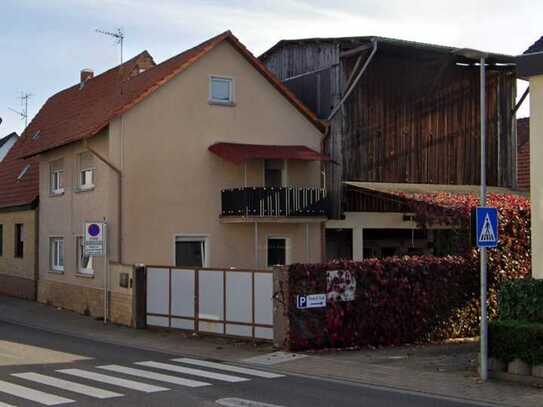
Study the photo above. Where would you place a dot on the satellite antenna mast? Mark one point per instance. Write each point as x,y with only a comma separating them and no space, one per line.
118,35
24,103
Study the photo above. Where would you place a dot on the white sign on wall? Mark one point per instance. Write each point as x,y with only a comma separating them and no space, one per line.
94,238
311,301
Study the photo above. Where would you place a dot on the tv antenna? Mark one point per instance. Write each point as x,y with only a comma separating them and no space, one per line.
118,35
24,103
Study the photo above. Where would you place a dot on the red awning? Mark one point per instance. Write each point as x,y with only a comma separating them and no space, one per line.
238,153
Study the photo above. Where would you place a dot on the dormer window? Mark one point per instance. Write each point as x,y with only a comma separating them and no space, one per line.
221,90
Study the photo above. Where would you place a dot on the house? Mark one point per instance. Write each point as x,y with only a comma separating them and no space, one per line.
203,160
523,154
530,67
18,225
404,119
6,143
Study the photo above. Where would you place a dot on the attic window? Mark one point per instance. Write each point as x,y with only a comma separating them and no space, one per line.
23,172
36,135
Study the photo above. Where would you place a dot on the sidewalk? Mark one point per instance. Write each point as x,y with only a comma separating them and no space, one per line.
447,370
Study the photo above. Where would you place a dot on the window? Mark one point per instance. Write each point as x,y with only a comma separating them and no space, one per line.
190,251
57,181
86,171
84,263
19,240
273,173
277,251
1,240
57,253
221,90
23,172
86,179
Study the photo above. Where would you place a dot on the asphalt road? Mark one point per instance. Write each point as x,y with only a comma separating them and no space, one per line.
40,368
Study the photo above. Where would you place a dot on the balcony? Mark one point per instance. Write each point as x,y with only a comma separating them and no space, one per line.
273,202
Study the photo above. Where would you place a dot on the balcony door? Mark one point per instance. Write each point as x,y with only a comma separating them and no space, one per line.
274,173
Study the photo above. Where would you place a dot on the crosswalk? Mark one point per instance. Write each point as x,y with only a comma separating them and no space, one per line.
88,382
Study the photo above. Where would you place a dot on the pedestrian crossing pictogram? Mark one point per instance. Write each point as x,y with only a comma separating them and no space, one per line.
487,227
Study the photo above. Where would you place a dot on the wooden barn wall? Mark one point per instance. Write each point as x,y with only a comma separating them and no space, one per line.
292,60
418,122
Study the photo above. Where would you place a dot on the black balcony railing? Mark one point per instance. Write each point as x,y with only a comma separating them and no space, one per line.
274,201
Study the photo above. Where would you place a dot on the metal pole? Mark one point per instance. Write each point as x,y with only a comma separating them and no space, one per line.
105,273
484,317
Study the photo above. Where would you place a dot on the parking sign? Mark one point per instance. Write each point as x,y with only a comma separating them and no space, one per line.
94,239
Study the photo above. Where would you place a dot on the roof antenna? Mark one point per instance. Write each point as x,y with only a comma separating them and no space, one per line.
118,35
24,103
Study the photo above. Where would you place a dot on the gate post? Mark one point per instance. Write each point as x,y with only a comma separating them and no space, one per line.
140,296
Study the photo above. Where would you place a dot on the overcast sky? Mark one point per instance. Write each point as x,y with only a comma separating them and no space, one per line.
45,43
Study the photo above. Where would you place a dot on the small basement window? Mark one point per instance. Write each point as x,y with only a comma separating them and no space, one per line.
221,90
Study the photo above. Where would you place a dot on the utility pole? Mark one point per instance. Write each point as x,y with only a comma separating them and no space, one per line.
118,35
24,104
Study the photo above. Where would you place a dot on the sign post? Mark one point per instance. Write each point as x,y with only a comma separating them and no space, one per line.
95,245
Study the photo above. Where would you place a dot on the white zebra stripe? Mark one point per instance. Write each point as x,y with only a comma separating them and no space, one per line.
66,385
116,381
229,368
193,372
154,376
32,395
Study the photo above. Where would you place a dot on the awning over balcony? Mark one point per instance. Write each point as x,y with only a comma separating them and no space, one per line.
238,153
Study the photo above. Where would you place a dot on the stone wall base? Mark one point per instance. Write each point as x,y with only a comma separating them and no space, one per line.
17,287
86,301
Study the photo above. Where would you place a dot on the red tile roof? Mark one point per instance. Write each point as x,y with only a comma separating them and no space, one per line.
77,113
14,192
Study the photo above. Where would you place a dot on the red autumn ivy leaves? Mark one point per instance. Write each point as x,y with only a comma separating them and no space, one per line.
413,299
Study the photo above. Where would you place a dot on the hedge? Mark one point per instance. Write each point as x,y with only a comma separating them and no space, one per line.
509,340
521,300
413,299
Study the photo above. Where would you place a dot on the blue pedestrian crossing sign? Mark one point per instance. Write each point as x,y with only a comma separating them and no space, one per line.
487,227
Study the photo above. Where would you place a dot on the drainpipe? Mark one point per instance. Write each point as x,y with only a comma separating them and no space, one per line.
120,200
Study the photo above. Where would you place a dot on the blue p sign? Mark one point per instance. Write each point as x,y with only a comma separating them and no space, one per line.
301,301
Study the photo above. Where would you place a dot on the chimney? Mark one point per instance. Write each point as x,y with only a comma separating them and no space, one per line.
86,74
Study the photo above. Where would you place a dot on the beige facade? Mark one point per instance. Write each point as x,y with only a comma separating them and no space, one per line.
171,182
536,172
18,267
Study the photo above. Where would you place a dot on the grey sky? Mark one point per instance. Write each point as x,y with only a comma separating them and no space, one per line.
45,44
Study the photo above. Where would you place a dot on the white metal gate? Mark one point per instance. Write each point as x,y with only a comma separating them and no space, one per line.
217,301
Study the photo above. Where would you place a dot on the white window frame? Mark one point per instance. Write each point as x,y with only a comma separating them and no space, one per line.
56,188
212,100
82,171
183,237
54,261
79,248
288,259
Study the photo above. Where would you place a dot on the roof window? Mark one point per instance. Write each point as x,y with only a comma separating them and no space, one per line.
23,172
36,135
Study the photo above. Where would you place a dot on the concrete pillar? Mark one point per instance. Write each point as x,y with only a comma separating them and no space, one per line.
358,243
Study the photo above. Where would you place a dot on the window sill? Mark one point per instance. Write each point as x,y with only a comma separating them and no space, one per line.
55,194
84,275
219,103
84,189
56,271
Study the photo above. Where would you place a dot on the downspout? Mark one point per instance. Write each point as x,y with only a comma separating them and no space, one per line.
120,200
355,82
